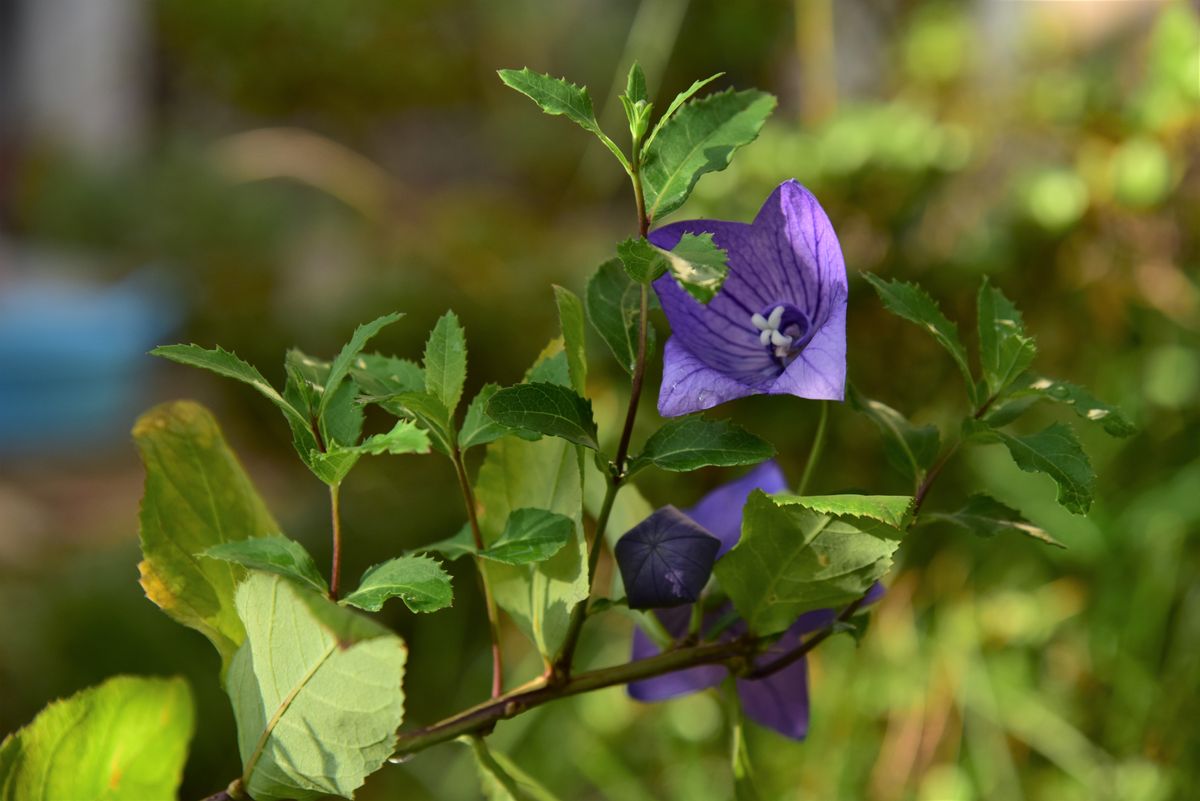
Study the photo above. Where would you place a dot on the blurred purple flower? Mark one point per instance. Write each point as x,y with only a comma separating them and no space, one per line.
778,325
779,701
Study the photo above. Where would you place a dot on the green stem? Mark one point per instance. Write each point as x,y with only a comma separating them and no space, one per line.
814,454
335,513
489,600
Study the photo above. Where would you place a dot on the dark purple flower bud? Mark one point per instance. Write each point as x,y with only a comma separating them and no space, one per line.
665,560
778,325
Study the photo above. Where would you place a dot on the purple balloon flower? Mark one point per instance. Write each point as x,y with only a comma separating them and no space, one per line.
665,560
779,701
778,325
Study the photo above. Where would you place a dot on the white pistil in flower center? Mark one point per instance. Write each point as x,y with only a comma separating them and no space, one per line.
770,335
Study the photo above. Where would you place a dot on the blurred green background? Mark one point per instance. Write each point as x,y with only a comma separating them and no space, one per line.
268,173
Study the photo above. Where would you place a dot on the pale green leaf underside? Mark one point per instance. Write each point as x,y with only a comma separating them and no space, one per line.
123,740
196,496
613,306
792,560
316,691
570,320
477,427
419,581
279,555
698,265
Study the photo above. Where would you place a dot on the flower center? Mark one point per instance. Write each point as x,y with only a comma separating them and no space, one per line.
783,329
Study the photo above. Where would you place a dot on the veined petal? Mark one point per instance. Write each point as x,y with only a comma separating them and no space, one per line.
819,371
689,385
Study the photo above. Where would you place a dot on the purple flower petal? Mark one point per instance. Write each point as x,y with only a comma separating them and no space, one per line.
778,325
682,682
780,701
665,560
720,511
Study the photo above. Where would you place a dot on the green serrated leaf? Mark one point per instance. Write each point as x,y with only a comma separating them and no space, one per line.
501,779
986,517
446,362
386,375
642,261
791,560
196,495
426,409
1004,349
123,740
279,555
340,367
419,581
698,265
316,690
613,304
679,100
914,304
549,409
690,443
332,466
461,543
530,535
227,364
880,515
477,427
700,137
570,320
1054,451
909,449
1030,389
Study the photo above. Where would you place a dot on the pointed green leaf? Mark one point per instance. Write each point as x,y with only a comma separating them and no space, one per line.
419,581
477,427
570,319
342,421
986,517
542,474
679,100
124,740
1004,349
698,265
344,361
690,443
1031,388
613,305
530,535
557,96
701,137
914,304
791,560
316,691
501,779
1054,451
909,449
461,543
386,375
227,364
549,409
332,466
635,85
880,515
279,555
642,261
197,495
446,362
554,95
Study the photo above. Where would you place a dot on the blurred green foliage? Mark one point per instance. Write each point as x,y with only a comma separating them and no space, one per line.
1065,167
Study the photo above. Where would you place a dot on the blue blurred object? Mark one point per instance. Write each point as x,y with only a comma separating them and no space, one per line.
73,361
